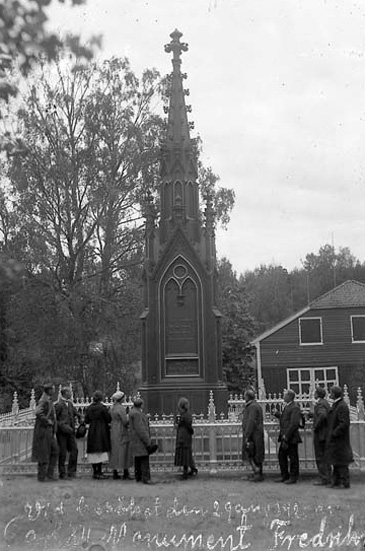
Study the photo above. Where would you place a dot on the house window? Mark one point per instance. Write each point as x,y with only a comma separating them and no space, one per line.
358,328
304,379
310,331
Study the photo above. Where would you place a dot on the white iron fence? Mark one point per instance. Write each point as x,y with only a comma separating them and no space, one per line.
217,440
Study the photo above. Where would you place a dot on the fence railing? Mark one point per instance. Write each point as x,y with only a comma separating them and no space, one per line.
217,444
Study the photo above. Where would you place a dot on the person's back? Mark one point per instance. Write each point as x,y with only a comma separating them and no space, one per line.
97,416
140,441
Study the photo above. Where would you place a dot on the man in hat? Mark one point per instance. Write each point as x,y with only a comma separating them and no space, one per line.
339,451
289,439
45,448
66,414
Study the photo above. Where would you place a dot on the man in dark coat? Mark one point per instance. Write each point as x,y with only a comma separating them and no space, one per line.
253,447
45,448
320,431
140,442
289,439
66,414
339,451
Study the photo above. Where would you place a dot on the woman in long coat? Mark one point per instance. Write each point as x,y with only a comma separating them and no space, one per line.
184,439
338,448
98,437
253,446
120,457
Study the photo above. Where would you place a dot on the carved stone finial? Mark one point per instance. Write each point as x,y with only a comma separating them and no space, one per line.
175,46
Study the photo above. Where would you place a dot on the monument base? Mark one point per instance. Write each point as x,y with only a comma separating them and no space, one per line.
163,398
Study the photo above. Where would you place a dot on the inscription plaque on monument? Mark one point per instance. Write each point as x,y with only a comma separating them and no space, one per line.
181,367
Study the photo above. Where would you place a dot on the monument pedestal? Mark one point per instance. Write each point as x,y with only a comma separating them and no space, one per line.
163,398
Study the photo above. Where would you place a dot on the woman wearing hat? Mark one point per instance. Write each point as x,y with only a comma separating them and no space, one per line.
120,458
98,437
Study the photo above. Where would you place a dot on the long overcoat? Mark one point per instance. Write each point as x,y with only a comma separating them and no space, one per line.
338,447
253,432
139,432
185,430
98,437
320,424
289,424
44,430
120,456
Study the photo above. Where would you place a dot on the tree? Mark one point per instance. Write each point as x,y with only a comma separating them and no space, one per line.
90,151
237,329
328,268
269,288
24,38
276,293
222,199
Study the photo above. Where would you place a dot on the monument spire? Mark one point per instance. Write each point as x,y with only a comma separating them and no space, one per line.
177,126
179,187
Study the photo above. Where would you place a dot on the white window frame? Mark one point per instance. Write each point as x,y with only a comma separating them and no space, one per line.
313,381
300,333
352,328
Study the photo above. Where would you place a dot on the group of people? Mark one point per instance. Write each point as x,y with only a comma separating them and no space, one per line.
331,438
117,436
122,438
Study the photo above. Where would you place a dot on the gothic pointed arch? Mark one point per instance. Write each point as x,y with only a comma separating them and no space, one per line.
180,292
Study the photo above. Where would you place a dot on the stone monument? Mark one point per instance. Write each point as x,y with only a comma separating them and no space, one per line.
181,323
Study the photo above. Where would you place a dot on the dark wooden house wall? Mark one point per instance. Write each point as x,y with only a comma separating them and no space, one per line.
282,350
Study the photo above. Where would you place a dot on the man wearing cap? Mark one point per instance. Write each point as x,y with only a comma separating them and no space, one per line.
339,451
65,415
289,439
45,448
121,458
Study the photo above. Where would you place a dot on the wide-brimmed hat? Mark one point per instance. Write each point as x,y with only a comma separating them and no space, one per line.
117,396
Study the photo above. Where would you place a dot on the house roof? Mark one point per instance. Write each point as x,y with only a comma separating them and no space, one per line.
350,294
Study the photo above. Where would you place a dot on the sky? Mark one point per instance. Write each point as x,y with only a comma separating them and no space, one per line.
277,89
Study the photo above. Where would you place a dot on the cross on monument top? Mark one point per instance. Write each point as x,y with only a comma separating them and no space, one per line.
175,46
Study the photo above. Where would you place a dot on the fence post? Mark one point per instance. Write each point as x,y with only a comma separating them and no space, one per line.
360,405
212,435
15,408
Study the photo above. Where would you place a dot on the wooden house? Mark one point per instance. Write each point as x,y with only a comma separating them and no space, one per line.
322,343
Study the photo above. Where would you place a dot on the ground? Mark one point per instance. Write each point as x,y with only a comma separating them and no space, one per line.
216,512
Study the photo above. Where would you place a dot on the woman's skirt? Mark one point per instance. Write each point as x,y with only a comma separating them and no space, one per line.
97,457
184,457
